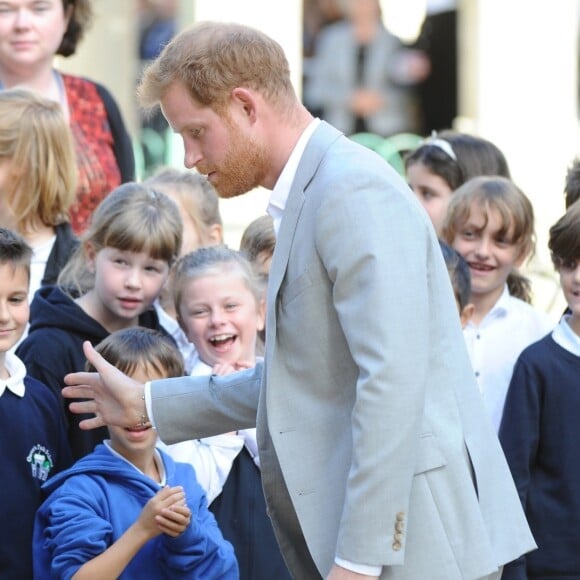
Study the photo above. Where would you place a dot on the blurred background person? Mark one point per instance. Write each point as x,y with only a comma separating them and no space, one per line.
31,35
437,42
37,181
357,78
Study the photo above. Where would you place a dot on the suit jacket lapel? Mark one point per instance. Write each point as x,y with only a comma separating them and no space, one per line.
315,150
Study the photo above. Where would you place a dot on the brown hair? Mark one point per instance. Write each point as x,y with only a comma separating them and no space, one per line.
515,210
195,193
14,250
130,348
473,156
258,237
572,187
81,15
211,59
36,137
564,240
132,218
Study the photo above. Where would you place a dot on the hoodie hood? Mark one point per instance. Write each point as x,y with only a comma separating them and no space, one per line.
102,462
52,308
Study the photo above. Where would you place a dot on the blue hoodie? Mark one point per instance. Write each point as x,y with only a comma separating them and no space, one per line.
95,501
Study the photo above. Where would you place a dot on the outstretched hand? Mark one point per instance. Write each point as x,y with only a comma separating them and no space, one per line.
113,397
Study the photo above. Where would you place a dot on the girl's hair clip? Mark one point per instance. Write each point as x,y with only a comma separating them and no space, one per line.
445,146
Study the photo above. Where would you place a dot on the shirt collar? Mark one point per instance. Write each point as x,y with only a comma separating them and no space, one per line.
156,457
502,305
17,372
566,337
281,191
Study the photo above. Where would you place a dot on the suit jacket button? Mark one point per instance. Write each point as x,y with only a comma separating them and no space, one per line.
396,546
400,516
399,526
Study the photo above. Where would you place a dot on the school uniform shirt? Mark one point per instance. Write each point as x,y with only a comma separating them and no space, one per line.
539,434
228,468
33,448
495,344
54,348
94,502
172,328
47,262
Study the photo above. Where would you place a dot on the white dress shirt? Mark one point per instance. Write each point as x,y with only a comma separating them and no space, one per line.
281,190
17,372
566,337
495,344
212,457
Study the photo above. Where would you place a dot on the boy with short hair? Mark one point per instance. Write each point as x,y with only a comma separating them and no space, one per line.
33,441
127,510
540,429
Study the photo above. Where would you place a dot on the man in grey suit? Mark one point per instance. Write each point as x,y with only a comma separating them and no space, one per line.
377,457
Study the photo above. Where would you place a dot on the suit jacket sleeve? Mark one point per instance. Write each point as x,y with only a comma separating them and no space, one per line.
195,407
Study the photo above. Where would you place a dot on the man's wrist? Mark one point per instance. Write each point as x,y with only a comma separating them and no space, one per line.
144,421
148,403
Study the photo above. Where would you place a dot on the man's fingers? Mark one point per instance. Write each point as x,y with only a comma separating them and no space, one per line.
78,391
92,423
95,358
79,407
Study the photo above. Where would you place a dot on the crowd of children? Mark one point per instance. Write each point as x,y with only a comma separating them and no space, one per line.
151,282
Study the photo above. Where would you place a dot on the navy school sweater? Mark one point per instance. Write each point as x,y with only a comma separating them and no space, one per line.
54,348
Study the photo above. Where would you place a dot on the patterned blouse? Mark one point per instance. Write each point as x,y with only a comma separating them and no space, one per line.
98,167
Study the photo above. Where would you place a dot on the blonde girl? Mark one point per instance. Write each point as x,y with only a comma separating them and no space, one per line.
220,306
37,180
110,283
490,222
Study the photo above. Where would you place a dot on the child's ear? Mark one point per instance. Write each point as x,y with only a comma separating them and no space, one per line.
215,235
179,321
466,314
90,256
261,314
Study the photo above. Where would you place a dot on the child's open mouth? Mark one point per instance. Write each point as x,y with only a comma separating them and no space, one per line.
222,342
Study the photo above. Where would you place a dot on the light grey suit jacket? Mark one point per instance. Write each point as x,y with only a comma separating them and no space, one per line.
370,425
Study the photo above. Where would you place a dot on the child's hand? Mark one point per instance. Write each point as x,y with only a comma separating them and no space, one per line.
174,520
222,369
153,519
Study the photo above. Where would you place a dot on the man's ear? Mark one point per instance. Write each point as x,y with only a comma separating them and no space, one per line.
246,101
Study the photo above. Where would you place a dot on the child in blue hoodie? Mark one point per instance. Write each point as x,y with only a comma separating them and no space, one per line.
127,510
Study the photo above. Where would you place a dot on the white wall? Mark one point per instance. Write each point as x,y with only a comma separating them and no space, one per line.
519,75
